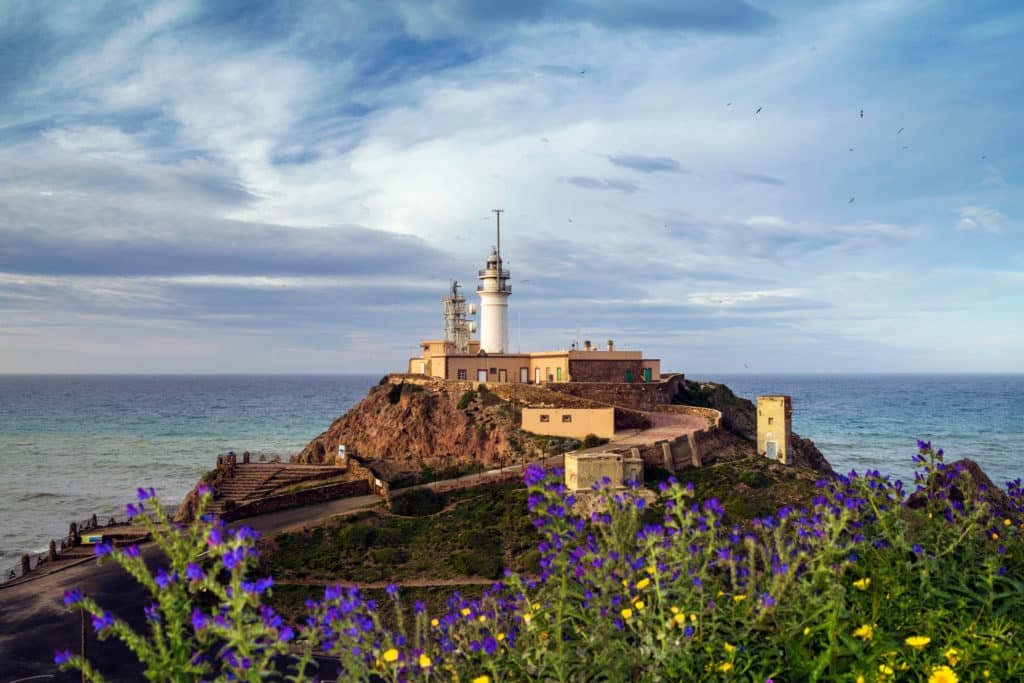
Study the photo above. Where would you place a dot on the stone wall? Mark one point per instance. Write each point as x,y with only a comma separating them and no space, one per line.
605,370
284,501
638,395
713,416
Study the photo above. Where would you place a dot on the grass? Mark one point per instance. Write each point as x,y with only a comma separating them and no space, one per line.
473,532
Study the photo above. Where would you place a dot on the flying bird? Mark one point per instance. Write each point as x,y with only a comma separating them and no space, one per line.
906,146
899,131
851,200
851,149
984,156
862,113
759,110
728,104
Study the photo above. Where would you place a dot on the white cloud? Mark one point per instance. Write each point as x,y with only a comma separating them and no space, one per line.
981,218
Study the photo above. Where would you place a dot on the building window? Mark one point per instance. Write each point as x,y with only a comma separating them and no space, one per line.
545,418
567,418
494,371
771,420
462,374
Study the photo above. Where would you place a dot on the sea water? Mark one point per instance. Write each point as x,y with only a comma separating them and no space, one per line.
73,446
76,445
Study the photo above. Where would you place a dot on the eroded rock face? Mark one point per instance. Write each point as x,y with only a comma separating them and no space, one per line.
422,425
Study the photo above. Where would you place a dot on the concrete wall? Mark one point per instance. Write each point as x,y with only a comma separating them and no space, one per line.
581,421
602,370
583,471
774,424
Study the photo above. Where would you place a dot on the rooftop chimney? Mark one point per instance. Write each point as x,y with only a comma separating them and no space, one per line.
586,345
611,345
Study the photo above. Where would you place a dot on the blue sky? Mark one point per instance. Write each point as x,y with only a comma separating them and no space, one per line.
288,187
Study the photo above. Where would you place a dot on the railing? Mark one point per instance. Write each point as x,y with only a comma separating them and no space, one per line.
494,272
504,288
32,561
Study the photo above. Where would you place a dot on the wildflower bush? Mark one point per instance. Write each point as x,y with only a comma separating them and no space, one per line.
869,582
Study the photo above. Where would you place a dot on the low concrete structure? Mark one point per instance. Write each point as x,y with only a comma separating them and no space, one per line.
775,428
583,470
575,423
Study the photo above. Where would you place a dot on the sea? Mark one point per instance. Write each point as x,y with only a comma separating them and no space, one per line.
76,445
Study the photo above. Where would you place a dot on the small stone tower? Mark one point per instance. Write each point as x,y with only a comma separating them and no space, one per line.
775,428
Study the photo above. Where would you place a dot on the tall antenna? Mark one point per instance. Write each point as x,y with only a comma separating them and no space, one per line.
497,213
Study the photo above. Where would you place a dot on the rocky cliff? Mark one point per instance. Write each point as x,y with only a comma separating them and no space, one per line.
434,424
739,416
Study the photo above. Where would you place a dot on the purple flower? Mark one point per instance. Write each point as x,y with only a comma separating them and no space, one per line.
215,537
392,590
103,549
688,632
285,633
130,551
199,620
163,579
194,572
62,656
106,620
204,489
72,597
145,494
232,558
132,510
534,474
152,613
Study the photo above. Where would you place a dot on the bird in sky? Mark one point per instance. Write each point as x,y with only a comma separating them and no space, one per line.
851,200
759,110
906,146
899,131
851,149
862,113
728,104
984,156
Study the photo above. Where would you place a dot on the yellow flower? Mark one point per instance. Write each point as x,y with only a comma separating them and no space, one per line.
807,629
643,583
434,622
719,594
862,584
917,642
952,656
725,667
640,605
424,661
865,631
466,611
651,570
536,606
391,655
885,670
995,536
860,679
482,679
693,617
627,613
680,619
527,618
943,674
673,609
1007,522
500,637
729,648
739,598
482,618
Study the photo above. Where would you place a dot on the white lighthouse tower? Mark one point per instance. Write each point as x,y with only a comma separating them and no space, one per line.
494,291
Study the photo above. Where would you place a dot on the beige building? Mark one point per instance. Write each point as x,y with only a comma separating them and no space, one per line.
439,359
775,427
583,470
574,423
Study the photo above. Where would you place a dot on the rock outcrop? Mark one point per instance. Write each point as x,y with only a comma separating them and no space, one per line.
428,424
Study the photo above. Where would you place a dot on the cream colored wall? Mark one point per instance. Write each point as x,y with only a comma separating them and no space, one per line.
549,363
655,365
583,471
471,364
774,423
597,421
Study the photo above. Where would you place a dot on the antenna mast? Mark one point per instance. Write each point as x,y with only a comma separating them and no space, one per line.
497,213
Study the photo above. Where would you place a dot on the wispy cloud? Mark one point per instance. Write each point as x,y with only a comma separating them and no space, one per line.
589,183
644,164
981,218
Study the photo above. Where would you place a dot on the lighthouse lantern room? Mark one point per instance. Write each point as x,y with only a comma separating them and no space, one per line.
494,291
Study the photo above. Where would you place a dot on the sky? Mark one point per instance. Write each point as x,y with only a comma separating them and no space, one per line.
729,185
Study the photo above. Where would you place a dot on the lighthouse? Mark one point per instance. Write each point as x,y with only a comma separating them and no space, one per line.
494,291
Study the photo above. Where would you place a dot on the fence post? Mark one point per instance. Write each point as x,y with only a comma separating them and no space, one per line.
52,555
26,565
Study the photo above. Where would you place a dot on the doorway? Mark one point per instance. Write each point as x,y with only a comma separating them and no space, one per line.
771,449
502,375
481,375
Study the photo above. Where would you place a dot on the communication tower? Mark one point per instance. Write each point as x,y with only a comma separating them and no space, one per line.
457,329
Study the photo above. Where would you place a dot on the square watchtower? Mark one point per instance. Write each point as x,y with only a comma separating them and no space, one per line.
775,428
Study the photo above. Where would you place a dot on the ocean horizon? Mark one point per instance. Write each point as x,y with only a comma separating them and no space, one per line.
73,445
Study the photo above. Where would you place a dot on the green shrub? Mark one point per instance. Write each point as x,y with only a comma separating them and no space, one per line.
473,563
417,503
593,440
468,396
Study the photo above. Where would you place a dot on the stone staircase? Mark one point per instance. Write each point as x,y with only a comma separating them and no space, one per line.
259,480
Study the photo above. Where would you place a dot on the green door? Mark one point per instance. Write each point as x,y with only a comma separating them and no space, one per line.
558,374
629,375
647,375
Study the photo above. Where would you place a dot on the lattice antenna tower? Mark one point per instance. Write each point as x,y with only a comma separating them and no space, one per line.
457,329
